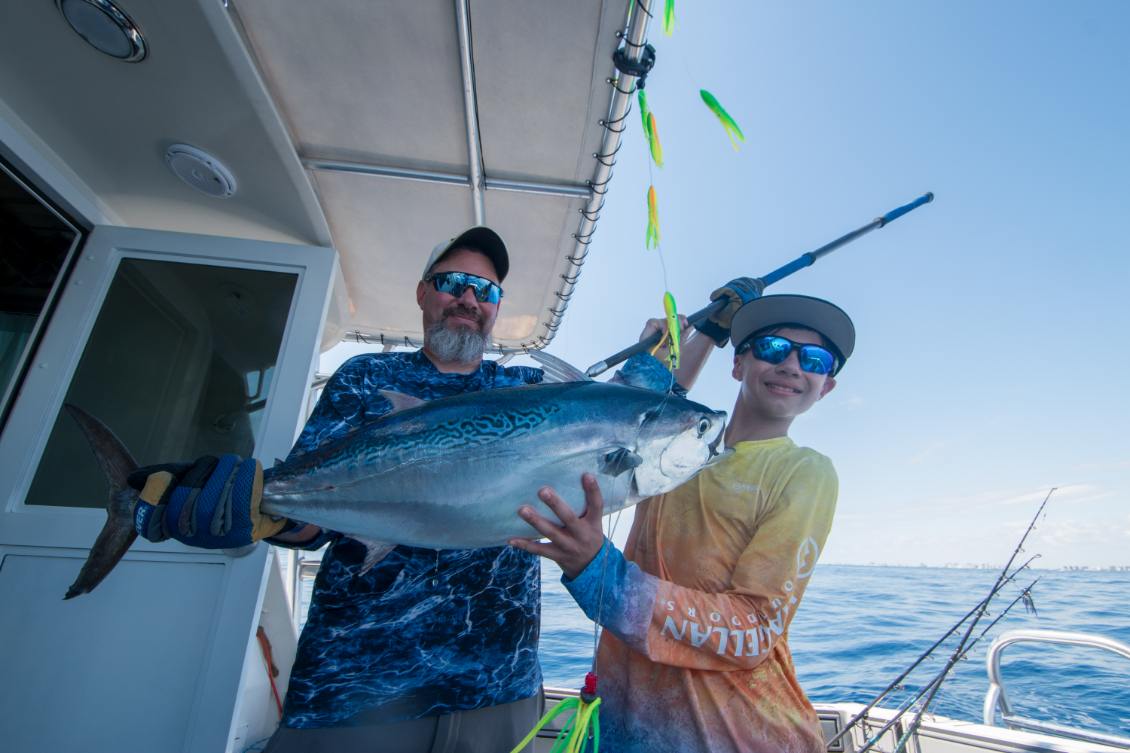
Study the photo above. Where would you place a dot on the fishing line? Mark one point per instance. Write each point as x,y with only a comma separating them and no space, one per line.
610,531
614,521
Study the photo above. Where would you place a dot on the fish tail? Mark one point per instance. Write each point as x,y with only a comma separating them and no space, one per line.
118,532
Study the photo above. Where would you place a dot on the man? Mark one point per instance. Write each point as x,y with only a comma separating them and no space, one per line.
428,650
694,656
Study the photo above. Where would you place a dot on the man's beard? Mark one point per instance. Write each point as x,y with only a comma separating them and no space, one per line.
459,345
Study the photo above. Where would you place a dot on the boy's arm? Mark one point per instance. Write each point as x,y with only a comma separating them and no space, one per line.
688,627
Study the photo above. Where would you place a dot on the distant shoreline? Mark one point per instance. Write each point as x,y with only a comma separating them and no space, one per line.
985,566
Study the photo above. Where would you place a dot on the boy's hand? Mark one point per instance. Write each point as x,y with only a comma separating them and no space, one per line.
575,542
738,292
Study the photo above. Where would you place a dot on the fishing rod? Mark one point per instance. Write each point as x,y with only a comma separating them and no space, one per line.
760,283
925,654
934,684
958,652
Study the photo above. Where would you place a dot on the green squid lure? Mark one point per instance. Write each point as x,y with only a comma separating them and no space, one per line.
650,130
728,123
653,140
669,17
674,333
644,111
652,237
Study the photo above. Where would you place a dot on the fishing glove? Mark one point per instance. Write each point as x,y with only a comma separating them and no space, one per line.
211,503
738,293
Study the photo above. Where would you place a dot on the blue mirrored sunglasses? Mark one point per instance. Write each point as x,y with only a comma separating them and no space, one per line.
815,359
456,283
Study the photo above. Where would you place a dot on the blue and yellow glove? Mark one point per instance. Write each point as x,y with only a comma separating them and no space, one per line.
211,503
738,293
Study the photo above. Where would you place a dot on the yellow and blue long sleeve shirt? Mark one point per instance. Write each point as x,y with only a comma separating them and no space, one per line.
694,656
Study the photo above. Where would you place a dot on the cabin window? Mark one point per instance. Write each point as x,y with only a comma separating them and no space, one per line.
179,364
36,243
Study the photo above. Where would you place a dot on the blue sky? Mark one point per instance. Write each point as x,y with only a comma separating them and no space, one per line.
992,358
993,355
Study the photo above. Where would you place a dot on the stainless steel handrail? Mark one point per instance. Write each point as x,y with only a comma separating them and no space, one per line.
995,697
299,570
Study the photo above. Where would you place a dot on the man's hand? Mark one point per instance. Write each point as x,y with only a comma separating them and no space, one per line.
211,503
575,542
738,292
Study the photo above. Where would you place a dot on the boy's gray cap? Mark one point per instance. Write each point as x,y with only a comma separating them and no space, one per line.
813,313
481,239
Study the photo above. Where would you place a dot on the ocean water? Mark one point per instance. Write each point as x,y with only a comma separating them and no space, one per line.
859,627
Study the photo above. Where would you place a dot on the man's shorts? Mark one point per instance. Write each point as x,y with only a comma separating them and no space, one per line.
495,729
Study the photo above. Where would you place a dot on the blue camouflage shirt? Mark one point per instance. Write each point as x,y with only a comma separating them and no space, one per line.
425,631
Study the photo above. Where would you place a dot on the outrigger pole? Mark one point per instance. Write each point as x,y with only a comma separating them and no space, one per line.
802,261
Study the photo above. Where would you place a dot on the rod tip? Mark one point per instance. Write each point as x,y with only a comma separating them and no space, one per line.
929,196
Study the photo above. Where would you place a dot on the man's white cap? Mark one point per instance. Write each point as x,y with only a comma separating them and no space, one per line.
481,239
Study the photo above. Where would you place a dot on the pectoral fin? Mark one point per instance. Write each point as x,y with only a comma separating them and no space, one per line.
619,460
375,551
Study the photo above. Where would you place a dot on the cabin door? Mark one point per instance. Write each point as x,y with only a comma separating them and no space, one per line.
184,345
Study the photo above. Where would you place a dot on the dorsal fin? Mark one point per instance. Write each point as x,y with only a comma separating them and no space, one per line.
400,401
557,370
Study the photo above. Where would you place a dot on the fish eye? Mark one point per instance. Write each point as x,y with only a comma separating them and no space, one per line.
703,426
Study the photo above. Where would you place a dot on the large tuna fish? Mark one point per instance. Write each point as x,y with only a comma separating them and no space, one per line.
451,473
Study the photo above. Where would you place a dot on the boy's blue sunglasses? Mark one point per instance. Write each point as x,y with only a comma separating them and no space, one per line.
456,283
814,359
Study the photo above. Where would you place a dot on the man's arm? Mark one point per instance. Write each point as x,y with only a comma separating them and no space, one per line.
299,538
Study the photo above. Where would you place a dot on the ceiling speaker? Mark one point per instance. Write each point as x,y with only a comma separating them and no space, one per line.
200,170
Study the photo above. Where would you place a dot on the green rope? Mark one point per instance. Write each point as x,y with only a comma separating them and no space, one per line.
573,737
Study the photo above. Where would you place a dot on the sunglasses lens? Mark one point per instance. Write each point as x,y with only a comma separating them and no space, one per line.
771,349
456,283
491,293
444,283
812,358
816,360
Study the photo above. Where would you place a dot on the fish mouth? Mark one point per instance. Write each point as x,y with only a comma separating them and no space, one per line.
717,451
713,446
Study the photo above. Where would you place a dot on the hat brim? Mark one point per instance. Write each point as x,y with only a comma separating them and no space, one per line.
812,313
481,239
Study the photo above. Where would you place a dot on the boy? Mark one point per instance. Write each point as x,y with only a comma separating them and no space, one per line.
694,655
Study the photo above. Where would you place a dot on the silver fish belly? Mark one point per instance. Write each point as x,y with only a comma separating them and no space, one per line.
452,473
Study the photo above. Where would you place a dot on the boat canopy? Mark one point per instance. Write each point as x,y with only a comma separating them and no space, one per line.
380,128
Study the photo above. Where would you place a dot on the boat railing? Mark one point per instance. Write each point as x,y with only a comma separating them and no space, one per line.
304,573
997,700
